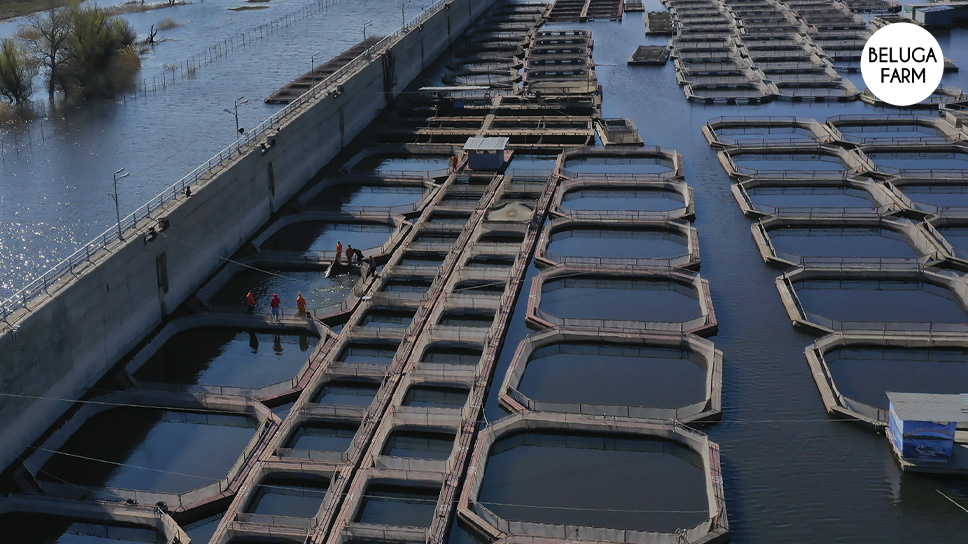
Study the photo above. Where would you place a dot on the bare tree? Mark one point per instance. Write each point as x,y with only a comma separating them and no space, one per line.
17,71
47,35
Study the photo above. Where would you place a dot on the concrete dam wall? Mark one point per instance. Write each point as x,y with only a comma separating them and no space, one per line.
61,344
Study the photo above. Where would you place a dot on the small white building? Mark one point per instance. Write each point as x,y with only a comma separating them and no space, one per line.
922,428
485,153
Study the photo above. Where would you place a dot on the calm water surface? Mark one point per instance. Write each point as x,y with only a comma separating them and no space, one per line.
846,242
622,243
624,376
866,374
785,462
225,356
594,480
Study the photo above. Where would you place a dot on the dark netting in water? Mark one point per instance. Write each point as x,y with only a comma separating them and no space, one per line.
402,163
419,444
407,284
28,528
811,197
347,392
866,374
624,242
621,299
289,496
158,450
387,317
379,353
645,200
618,165
453,353
880,301
397,505
462,317
441,396
335,436
615,375
481,287
596,480
842,242
788,161
422,258
349,197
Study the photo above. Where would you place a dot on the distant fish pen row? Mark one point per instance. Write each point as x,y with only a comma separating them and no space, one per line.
867,215
754,51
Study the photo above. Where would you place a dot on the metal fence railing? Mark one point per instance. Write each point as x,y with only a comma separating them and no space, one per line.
93,250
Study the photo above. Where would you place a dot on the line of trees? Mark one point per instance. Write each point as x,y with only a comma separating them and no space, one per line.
79,50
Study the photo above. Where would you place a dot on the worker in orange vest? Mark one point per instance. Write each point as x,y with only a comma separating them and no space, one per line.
339,250
301,304
250,302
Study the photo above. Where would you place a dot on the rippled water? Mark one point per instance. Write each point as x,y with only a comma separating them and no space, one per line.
54,190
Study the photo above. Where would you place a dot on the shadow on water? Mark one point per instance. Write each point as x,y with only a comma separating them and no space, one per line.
225,356
158,451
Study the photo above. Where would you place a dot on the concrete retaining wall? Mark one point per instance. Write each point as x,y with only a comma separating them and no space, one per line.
69,340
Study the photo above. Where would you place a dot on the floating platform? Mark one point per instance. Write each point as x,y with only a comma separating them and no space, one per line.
618,132
649,55
660,22
634,5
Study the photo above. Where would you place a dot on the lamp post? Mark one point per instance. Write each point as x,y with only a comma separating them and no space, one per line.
238,102
117,208
366,24
403,12
312,69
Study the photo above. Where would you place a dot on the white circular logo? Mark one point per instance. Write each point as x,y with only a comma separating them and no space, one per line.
902,64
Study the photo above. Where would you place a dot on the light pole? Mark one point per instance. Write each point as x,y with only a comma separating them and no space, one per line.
312,70
117,208
403,12
238,102
366,24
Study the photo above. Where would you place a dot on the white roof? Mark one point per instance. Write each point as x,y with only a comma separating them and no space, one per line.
486,144
930,406
455,88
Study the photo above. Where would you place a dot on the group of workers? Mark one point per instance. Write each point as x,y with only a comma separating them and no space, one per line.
351,253
275,303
